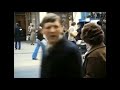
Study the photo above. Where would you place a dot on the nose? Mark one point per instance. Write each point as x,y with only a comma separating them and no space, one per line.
52,29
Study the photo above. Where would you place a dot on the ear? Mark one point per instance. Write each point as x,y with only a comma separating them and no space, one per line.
42,31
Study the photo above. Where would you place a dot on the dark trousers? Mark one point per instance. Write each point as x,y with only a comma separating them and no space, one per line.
17,44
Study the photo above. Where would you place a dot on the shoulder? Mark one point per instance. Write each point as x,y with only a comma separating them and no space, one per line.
98,54
98,51
66,46
71,47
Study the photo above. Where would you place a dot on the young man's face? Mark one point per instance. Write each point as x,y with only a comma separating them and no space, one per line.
52,30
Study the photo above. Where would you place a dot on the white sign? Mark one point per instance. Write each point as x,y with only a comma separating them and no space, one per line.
87,19
94,21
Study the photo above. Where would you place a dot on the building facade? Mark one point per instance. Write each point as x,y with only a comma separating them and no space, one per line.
24,19
35,18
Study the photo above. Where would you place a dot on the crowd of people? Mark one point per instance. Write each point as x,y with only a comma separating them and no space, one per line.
61,56
97,15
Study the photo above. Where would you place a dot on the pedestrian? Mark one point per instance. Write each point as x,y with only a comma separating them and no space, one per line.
39,43
72,33
62,59
33,35
29,32
102,23
18,36
94,65
104,30
79,32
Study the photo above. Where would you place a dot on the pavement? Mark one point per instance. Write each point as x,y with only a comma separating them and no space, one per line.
24,66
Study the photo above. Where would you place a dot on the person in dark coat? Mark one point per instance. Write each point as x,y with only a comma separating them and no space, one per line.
102,23
17,36
94,65
79,32
63,59
104,30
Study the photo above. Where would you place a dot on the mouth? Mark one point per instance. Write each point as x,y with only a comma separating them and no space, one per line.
53,36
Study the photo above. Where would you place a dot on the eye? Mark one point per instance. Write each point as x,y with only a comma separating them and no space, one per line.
55,26
48,27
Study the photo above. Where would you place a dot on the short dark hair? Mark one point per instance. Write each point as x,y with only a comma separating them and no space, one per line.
50,17
73,23
92,34
40,24
78,23
99,23
17,24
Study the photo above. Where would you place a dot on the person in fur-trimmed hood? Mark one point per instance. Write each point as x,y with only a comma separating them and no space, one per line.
94,65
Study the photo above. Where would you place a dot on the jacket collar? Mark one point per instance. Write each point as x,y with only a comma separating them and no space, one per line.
95,47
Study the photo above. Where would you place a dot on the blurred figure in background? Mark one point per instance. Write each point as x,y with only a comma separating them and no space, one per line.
79,32
72,33
29,32
33,34
102,23
17,36
104,30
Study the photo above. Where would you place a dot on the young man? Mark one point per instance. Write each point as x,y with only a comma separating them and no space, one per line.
63,59
39,43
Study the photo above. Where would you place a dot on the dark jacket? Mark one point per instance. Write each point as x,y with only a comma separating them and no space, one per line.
103,26
94,65
104,30
17,34
63,61
40,35
78,35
